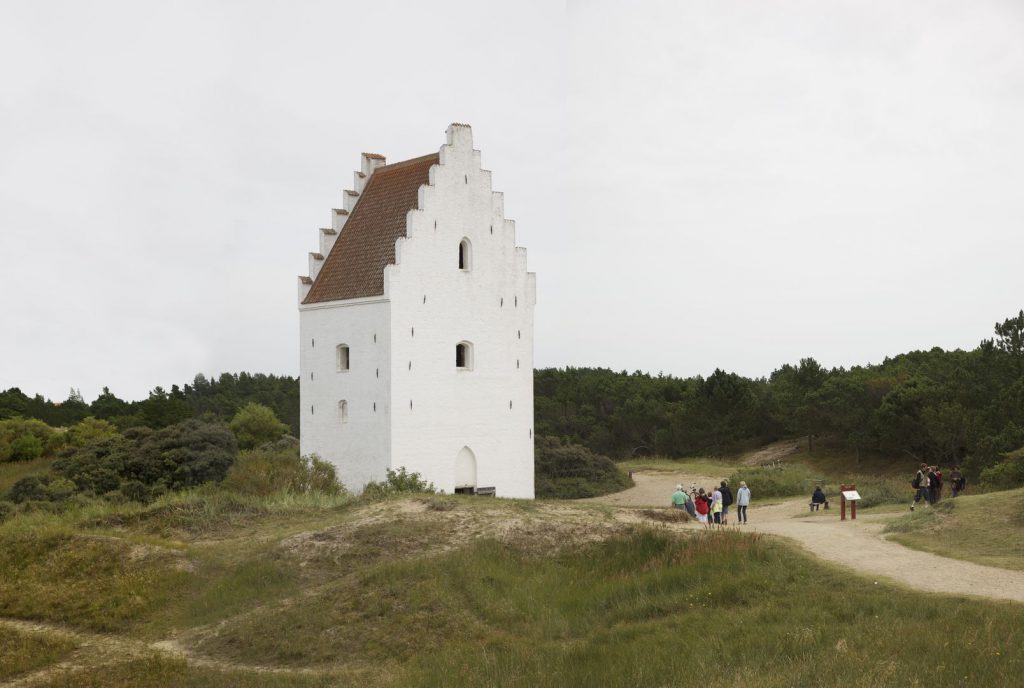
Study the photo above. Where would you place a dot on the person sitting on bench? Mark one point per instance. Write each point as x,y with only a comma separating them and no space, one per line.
818,498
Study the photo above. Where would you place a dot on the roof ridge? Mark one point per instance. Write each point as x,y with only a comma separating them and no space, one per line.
393,165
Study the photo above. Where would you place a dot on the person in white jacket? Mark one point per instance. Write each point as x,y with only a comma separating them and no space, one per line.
742,502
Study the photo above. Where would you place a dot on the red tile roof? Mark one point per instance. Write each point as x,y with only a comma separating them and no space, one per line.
355,266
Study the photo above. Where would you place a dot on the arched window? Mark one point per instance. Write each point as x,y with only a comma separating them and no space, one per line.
464,356
465,255
342,358
343,411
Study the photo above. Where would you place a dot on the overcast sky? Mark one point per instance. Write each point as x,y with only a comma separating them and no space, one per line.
699,184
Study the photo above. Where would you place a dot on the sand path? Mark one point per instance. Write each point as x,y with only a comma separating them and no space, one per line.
858,545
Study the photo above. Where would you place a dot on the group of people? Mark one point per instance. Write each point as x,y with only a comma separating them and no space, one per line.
928,483
711,506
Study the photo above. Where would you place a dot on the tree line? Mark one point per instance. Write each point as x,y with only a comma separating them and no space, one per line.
209,399
948,407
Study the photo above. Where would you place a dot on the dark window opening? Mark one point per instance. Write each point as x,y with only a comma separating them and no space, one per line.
464,356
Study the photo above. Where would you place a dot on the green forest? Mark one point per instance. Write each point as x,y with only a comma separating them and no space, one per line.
946,407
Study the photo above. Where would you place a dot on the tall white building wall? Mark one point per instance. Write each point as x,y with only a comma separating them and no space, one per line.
357,444
453,426
440,411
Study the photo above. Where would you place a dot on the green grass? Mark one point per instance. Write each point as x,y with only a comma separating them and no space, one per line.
617,614
376,602
697,465
23,652
13,471
161,672
985,529
838,462
102,584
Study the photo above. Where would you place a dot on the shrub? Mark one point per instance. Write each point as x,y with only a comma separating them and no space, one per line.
278,468
41,488
571,471
144,463
1006,474
23,439
98,467
26,448
6,510
398,482
255,425
90,430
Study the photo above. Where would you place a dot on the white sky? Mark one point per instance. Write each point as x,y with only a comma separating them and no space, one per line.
699,184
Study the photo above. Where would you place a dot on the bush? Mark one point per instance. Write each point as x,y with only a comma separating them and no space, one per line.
398,482
41,488
90,430
6,510
24,439
569,471
26,448
255,425
1008,473
277,468
143,463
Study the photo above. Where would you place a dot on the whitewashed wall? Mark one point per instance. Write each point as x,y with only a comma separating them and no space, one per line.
428,412
359,447
437,409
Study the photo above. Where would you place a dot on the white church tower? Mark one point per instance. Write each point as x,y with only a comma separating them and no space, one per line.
416,326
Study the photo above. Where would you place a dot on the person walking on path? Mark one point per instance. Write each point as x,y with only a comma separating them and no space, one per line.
727,501
957,481
742,502
920,483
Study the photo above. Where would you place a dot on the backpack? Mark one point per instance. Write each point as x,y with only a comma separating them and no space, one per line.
916,482
726,496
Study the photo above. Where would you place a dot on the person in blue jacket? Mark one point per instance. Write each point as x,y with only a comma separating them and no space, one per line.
818,498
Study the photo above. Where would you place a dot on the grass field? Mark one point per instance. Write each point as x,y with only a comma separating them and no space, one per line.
985,529
22,652
441,591
13,471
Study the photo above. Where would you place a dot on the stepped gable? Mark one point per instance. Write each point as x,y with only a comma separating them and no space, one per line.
366,245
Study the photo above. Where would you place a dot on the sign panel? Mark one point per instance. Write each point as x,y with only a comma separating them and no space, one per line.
851,495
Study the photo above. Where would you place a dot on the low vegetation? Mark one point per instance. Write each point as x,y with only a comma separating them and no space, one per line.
569,471
22,652
474,592
984,529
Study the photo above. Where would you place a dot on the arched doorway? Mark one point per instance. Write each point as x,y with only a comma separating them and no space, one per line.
465,471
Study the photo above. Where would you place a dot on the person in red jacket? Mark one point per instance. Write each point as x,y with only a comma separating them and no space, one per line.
703,506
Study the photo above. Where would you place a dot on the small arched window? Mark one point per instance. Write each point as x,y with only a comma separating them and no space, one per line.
465,255
342,357
343,411
464,356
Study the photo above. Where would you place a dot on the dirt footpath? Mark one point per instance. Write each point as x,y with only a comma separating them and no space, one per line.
857,545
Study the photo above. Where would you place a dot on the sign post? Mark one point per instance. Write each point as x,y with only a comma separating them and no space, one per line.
849,494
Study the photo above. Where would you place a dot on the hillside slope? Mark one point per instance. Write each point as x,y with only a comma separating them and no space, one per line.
206,589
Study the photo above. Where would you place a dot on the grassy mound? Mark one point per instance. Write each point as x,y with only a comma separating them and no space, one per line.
985,529
443,590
